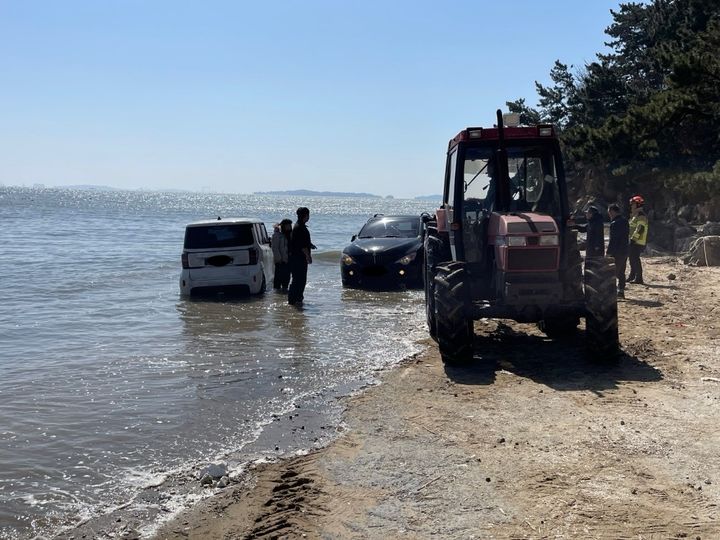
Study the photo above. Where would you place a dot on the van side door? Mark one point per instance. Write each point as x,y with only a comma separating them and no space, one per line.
266,254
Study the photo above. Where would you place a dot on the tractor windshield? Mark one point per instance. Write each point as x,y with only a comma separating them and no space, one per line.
532,175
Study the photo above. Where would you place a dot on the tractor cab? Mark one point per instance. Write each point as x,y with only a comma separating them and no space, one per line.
503,201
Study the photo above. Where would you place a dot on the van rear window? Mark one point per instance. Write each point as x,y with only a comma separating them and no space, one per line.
218,236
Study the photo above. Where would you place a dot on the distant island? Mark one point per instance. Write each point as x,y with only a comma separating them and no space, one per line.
293,192
308,193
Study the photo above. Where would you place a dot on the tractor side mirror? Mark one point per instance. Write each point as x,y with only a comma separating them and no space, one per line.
354,237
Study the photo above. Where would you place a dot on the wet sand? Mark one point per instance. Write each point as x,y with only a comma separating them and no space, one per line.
532,441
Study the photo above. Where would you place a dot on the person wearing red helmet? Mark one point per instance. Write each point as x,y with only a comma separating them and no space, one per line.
638,238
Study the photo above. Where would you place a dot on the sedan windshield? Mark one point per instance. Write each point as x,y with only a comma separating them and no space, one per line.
390,227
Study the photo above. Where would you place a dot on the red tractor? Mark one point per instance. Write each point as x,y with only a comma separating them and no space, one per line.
502,245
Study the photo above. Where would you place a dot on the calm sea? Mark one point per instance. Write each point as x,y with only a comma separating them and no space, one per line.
110,382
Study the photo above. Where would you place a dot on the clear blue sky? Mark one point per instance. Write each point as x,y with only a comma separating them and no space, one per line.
245,96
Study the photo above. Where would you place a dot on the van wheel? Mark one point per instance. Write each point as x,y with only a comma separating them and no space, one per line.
454,330
601,319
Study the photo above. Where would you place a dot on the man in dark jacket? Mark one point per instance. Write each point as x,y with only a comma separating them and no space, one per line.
618,245
595,230
300,257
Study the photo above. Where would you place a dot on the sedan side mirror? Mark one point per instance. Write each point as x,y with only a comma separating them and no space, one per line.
354,236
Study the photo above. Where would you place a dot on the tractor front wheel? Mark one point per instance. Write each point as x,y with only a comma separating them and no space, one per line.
601,319
454,331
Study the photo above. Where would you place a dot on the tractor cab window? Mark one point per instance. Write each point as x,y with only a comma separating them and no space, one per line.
531,172
479,196
533,186
478,171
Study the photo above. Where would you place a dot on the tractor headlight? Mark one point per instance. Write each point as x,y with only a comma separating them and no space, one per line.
516,241
407,259
549,240
347,260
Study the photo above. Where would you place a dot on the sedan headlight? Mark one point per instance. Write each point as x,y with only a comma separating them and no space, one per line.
407,259
347,260
549,240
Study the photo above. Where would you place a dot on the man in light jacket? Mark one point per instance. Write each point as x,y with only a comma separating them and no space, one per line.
280,243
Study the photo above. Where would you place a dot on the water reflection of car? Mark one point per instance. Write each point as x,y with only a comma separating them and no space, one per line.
386,253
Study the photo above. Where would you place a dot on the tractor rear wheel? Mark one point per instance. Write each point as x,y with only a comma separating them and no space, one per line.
601,319
454,331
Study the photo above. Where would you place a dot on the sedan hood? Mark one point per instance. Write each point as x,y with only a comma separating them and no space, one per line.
401,246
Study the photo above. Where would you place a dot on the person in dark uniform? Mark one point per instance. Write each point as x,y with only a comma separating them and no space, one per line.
300,257
618,245
595,230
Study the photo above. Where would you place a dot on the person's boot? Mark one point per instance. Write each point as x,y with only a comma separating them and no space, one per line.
621,293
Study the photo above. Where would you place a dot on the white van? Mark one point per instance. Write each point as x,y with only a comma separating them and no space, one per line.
228,254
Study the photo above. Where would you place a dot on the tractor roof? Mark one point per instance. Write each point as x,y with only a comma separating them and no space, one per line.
489,134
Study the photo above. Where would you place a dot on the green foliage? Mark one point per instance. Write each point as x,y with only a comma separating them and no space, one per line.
647,114
528,115
556,100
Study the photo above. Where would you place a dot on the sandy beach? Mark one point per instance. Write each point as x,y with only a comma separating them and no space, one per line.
532,441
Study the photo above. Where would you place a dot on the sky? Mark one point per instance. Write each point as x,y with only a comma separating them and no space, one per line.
235,96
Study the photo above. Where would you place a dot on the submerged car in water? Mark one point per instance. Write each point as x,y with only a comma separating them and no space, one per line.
226,255
386,253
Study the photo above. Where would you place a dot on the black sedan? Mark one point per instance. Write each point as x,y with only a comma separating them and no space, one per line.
387,252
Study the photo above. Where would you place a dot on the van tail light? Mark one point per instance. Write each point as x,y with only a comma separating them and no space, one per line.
185,263
253,256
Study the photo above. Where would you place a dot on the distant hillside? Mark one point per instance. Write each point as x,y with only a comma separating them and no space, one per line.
428,198
308,193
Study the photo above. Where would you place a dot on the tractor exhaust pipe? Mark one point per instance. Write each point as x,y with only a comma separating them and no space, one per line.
502,193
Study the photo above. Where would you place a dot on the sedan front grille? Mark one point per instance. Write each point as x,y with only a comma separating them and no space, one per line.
372,258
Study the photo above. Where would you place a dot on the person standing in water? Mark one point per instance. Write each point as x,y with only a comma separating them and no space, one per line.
300,256
280,247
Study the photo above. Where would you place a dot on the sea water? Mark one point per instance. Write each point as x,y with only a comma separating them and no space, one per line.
110,381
